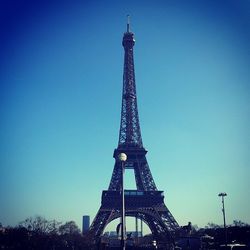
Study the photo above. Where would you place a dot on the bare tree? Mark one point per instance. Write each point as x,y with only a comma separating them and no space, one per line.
40,225
69,228
239,223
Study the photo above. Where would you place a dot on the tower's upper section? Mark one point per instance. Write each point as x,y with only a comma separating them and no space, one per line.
128,38
130,133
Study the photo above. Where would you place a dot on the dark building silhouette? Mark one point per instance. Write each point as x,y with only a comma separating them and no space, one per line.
85,223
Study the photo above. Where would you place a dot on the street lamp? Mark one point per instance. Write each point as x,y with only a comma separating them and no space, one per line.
222,195
122,157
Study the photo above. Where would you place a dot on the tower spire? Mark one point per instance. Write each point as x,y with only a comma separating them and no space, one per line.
128,23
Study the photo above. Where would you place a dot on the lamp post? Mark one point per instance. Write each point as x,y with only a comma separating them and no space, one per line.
122,157
222,195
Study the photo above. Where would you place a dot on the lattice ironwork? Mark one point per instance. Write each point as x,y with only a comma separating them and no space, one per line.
130,132
146,202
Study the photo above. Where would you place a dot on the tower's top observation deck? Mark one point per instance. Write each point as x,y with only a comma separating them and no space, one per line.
128,37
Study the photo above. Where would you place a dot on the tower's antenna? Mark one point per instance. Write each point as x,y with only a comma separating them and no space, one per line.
128,23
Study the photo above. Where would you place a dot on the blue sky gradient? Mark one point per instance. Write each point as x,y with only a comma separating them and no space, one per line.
60,102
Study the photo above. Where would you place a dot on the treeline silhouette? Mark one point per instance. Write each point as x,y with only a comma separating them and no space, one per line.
38,233
238,232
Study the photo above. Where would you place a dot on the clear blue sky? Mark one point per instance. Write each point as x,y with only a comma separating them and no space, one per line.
60,101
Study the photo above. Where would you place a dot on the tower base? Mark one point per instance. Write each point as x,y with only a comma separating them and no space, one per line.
146,205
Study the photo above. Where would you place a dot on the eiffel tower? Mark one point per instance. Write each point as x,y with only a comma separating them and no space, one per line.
146,202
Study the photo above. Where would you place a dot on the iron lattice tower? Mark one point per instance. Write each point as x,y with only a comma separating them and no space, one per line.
146,202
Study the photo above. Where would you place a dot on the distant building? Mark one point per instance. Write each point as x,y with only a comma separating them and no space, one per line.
130,234
85,223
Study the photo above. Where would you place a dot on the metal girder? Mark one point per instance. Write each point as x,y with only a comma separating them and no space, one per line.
136,159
